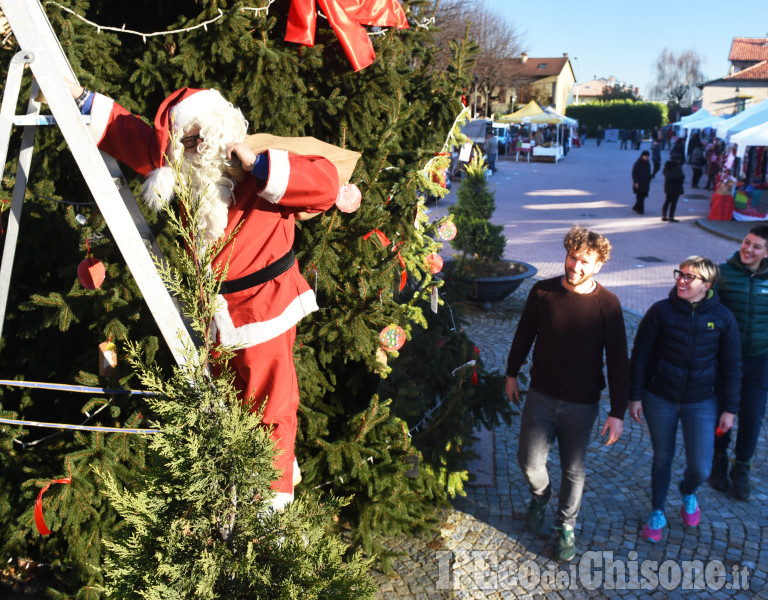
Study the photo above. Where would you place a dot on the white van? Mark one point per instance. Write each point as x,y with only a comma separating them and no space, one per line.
501,130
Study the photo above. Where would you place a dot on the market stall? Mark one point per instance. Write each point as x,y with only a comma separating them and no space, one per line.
522,144
553,151
747,200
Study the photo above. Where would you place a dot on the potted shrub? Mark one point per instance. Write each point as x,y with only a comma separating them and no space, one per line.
481,243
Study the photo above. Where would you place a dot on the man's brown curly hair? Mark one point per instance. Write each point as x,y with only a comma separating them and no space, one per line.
580,238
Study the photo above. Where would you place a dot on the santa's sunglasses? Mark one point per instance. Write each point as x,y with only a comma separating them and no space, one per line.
190,141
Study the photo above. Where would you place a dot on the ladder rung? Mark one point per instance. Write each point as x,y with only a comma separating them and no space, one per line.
27,120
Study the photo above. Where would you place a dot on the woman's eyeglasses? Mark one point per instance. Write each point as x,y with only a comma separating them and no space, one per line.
687,277
190,141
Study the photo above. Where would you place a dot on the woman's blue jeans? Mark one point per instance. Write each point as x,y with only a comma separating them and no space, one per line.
698,421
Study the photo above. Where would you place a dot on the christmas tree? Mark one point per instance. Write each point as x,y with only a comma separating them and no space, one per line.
199,521
363,423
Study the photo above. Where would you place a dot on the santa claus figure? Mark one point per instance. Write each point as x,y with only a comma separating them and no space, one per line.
264,295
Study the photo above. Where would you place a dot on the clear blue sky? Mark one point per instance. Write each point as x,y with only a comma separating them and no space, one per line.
624,39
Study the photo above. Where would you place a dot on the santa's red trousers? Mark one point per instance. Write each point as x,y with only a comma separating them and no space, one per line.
266,371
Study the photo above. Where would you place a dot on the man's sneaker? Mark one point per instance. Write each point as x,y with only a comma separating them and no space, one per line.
653,528
740,477
690,510
718,478
566,542
534,516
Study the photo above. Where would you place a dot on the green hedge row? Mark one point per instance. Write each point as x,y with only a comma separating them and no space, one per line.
618,114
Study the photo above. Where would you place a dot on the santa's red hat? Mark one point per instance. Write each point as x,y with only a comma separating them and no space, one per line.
173,117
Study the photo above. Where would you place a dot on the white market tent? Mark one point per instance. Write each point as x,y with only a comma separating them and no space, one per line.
708,122
754,136
756,114
700,120
551,117
688,122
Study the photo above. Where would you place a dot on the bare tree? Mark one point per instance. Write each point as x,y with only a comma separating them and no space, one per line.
677,76
496,36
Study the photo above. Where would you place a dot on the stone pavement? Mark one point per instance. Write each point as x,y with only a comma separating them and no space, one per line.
483,550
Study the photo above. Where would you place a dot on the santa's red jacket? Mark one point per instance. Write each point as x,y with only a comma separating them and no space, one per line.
265,214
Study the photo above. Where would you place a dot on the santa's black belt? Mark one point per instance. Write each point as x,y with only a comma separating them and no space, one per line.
280,266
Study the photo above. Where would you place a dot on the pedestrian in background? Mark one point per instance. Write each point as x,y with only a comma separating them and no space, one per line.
713,167
655,155
743,288
673,186
698,162
641,181
573,321
491,150
684,344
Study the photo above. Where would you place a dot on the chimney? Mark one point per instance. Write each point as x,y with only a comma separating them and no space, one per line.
565,55
524,57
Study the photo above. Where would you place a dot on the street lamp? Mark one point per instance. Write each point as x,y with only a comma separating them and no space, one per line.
576,58
737,101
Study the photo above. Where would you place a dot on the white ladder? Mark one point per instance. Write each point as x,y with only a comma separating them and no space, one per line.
41,50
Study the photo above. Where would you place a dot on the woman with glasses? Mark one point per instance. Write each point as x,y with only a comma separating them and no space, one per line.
684,343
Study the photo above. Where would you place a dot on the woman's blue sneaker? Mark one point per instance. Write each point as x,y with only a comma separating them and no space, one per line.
653,528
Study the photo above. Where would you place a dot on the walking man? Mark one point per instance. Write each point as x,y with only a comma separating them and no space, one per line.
641,181
573,320
743,288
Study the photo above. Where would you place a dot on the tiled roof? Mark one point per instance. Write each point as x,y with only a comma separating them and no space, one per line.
755,72
592,88
540,67
748,49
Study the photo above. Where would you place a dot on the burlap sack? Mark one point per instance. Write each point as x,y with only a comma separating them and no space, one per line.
343,160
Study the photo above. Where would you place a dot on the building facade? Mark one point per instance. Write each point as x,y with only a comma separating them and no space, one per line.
548,81
746,82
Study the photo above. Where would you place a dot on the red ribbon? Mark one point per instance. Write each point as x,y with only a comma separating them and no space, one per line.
346,18
39,519
381,235
475,379
384,243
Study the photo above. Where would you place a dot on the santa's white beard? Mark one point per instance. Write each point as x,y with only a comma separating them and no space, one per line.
212,190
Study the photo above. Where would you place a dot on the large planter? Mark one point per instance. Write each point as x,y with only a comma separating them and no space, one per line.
493,289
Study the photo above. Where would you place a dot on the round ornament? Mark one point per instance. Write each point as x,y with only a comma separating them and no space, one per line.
392,338
440,177
434,263
349,198
91,273
447,231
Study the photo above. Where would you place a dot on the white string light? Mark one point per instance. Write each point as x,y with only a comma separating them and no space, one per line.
425,23
144,35
25,445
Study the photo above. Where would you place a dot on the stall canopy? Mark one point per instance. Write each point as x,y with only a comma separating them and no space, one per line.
754,136
757,114
552,118
709,122
529,110
688,122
